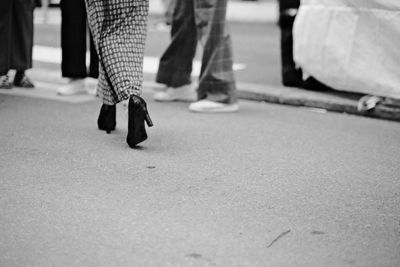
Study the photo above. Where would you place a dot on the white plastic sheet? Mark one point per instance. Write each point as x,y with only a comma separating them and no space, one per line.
350,45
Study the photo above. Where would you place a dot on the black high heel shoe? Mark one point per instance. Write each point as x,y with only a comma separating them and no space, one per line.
107,118
137,115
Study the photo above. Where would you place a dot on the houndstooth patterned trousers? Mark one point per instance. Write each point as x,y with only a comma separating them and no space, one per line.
119,30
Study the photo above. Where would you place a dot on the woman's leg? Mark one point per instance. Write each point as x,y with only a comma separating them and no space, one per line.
119,30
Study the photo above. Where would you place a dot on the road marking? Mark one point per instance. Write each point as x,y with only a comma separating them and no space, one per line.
47,91
47,80
236,11
52,55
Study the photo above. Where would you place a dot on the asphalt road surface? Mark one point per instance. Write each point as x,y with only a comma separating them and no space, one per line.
268,186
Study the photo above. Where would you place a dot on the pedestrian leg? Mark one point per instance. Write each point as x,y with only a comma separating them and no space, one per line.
217,82
291,76
175,66
5,42
119,32
22,41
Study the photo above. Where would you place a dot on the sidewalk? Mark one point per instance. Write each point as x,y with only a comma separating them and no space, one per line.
335,101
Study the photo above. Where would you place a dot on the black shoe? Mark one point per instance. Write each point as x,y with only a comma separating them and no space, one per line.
107,118
314,85
21,80
136,117
291,76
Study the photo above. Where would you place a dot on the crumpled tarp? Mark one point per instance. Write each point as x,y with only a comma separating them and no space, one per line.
350,45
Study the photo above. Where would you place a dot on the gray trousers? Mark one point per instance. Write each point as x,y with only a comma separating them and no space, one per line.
16,34
200,21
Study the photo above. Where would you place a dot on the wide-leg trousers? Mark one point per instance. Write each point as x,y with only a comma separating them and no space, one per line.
204,21
16,34
291,75
74,41
119,29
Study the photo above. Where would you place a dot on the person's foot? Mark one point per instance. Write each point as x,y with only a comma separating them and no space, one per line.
78,87
182,93
207,106
137,116
21,80
292,77
107,118
5,82
314,85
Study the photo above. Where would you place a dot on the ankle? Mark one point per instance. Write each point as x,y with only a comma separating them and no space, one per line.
20,73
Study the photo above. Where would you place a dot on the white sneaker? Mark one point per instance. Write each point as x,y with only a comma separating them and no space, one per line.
182,93
90,85
160,88
77,87
208,106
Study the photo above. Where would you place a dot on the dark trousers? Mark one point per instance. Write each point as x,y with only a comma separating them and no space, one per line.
291,76
74,40
16,35
204,21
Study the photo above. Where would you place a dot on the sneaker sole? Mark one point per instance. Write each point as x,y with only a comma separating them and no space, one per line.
233,108
189,98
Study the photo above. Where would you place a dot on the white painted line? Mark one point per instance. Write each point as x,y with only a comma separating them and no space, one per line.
53,55
48,80
237,11
317,110
47,91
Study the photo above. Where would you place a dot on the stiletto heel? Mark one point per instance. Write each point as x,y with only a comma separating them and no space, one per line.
107,118
146,114
138,114
148,119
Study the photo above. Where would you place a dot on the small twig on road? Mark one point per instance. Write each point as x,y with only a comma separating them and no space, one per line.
278,237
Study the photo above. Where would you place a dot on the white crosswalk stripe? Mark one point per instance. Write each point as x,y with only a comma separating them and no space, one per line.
243,11
48,54
47,80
